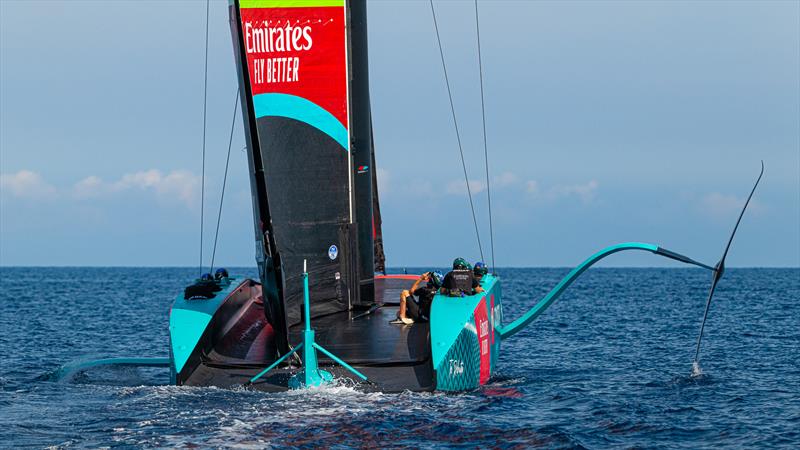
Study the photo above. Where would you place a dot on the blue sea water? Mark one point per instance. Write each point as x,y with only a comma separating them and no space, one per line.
607,366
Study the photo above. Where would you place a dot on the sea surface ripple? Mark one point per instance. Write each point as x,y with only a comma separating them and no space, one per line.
607,366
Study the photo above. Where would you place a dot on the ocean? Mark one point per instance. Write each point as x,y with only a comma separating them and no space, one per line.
608,365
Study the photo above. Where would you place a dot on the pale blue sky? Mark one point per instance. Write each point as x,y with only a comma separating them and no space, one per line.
607,122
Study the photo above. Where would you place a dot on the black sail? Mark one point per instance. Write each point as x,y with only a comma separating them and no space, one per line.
293,69
362,149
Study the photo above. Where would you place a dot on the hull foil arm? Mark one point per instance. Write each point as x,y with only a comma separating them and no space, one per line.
540,307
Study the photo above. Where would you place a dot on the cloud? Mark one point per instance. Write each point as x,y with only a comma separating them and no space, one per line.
458,187
26,184
178,185
405,187
585,192
90,186
383,180
725,206
505,179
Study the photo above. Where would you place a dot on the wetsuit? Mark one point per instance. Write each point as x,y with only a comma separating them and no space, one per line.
460,282
419,308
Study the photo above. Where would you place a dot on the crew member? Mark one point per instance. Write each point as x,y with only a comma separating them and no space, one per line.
419,308
479,270
461,280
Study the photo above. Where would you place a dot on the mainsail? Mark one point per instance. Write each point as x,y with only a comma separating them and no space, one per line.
308,140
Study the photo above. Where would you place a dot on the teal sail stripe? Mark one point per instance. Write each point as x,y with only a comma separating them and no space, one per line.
298,108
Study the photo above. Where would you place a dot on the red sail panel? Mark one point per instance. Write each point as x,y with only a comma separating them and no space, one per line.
298,51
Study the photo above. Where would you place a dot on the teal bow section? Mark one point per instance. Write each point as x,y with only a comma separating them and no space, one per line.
298,108
189,319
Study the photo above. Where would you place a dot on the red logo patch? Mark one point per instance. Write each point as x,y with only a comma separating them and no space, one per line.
483,327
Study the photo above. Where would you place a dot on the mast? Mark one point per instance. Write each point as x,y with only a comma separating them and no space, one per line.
267,256
362,149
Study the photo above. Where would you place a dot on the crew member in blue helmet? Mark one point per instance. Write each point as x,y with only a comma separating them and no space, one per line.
221,275
479,270
419,308
461,280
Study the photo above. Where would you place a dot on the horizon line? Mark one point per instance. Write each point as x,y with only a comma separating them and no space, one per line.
3,266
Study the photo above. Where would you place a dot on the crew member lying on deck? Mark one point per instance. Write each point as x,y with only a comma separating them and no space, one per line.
461,280
419,309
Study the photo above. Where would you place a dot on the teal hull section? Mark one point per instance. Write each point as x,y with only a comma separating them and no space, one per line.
189,319
464,344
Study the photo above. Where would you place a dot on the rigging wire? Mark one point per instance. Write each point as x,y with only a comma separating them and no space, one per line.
203,170
485,147
458,136
224,179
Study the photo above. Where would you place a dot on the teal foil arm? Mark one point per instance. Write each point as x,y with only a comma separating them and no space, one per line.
517,325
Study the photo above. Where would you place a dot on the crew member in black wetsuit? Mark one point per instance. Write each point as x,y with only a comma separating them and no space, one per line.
460,281
419,308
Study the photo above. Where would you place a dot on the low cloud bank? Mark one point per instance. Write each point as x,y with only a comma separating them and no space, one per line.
180,186
25,184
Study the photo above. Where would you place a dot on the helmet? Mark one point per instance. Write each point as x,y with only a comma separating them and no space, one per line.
461,263
436,280
206,277
480,269
221,273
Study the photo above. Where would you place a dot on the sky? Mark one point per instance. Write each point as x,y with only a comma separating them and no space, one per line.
606,122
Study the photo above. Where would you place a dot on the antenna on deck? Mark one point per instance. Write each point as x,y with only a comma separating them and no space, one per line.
311,375
203,170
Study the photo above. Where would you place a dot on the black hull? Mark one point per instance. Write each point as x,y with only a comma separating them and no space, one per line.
387,379
239,342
